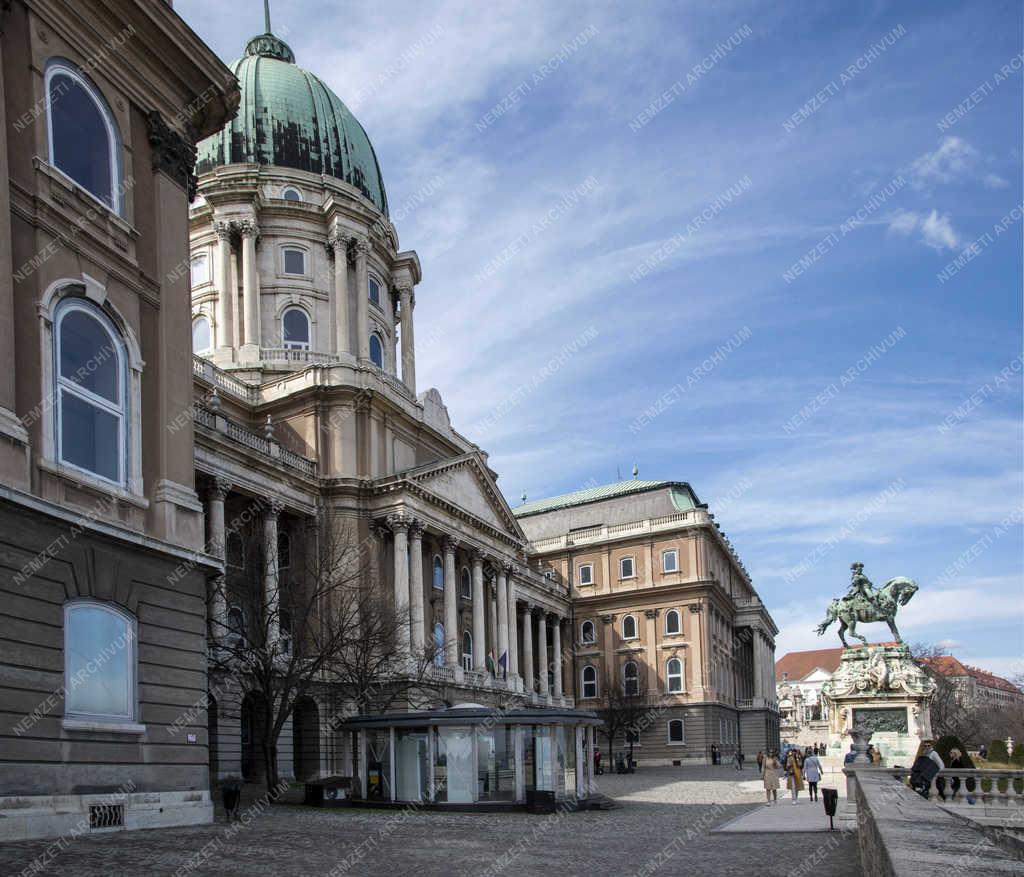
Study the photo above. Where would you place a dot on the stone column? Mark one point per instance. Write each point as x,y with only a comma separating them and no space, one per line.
216,546
408,302
417,636
224,287
758,667
338,244
451,604
271,583
542,652
513,624
528,677
556,661
399,525
362,250
502,600
490,589
479,626
250,351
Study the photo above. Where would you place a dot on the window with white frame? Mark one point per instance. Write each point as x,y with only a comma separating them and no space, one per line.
202,336
670,560
585,573
294,261
91,391
676,731
199,269
83,137
99,662
588,681
373,285
437,579
376,350
295,329
466,584
631,679
588,633
674,674
627,568
629,627
467,651
673,624
290,193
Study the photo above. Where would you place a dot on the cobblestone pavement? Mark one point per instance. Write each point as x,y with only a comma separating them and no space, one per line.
661,828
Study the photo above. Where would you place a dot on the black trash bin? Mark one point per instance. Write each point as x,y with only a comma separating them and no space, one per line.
538,801
830,798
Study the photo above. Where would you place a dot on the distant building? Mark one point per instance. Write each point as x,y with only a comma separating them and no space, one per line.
977,687
798,680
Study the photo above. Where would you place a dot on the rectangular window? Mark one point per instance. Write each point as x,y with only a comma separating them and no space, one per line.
670,561
294,262
586,574
676,731
200,270
626,568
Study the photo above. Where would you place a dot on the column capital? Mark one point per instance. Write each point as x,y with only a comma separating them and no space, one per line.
696,608
478,556
399,521
508,568
273,508
220,488
339,241
651,613
248,228
450,543
361,245
608,619
539,612
416,528
223,229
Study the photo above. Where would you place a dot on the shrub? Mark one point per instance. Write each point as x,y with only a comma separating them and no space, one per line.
997,752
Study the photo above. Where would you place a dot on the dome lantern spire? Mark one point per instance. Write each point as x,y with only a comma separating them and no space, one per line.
266,45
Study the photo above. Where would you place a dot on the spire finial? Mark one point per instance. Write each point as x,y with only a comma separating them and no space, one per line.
636,471
266,15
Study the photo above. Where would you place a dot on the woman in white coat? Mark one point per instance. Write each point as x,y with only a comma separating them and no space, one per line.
812,773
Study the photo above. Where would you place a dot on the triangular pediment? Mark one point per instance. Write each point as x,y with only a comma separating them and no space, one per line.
466,483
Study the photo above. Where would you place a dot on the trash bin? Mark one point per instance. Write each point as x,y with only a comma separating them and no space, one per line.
830,798
538,801
328,792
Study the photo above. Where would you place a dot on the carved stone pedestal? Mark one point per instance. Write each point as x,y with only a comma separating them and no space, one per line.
880,689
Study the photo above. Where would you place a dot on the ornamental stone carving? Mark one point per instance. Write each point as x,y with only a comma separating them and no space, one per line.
172,153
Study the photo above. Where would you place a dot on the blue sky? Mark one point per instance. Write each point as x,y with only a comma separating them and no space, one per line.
602,199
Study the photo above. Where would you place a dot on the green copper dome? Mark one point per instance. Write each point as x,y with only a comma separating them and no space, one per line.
289,118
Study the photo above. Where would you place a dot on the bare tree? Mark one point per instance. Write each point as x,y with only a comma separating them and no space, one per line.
327,623
952,714
623,708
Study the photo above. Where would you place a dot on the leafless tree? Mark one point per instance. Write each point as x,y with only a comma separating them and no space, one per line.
623,709
951,712
329,622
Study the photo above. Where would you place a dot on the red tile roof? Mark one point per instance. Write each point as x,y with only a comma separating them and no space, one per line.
799,664
947,665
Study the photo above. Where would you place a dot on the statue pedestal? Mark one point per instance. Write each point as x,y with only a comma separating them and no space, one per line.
879,688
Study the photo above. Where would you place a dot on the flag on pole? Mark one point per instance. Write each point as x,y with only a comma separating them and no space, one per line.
503,663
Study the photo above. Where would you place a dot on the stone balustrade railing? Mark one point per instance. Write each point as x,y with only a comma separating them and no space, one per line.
291,354
224,381
988,787
597,534
254,441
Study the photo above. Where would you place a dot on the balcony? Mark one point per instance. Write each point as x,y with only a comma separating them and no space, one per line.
261,444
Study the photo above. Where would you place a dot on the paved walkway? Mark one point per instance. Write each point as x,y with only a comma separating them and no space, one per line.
664,826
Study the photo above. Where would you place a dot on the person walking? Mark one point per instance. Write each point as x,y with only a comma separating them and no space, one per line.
737,760
770,777
794,774
812,773
760,761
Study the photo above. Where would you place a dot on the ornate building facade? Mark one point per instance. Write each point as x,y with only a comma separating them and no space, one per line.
668,630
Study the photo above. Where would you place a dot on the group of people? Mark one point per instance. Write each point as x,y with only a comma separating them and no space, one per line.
798,768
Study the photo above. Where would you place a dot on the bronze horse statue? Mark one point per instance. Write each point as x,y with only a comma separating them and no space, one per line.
884,603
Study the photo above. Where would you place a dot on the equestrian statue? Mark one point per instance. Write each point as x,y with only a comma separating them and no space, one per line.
864,604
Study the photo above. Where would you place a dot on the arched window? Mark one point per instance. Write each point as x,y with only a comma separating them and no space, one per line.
588,633
84,142
631,679
589,681
290,193
202,340
438,580
374,290
676,731
99,662
284,551
199,269
466,584
294,261
629,627
295,329
439,644
376,351
467,651
236,622
672,624
674,674
91,394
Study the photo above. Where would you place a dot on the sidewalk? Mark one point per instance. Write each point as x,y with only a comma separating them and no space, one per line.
785,816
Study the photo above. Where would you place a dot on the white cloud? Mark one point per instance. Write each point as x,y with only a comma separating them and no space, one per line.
938,233
955,158
903,222
994,181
